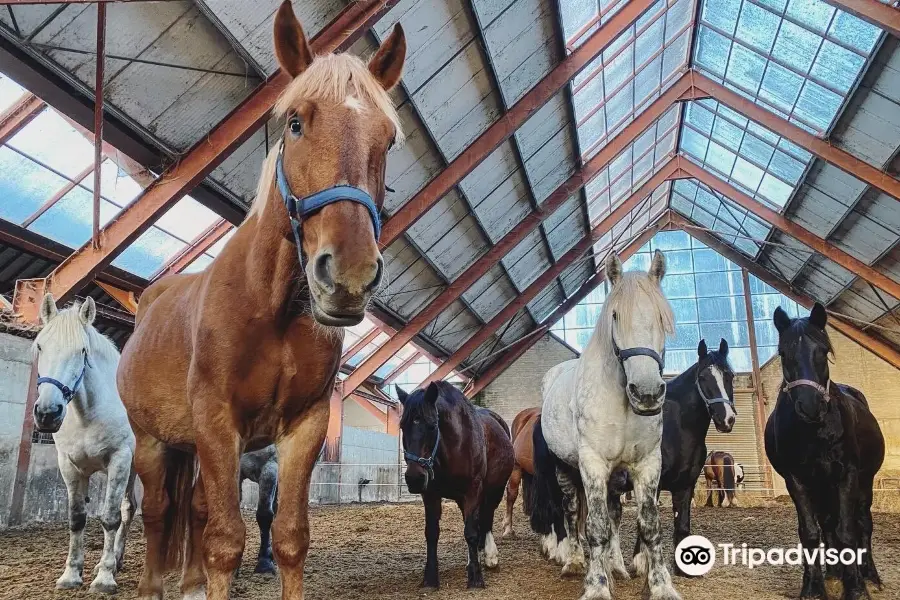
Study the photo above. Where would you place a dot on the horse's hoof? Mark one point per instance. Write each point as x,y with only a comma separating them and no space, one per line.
665,593
573,569
68,584
597,593
100,586
508,533
620,572
475,584
265,566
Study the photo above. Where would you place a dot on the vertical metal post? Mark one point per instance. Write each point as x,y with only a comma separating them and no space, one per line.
17,503
759,402
98,118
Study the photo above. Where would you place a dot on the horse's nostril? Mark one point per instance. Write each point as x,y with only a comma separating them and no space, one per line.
379,274
322,271
661,390
57,410
633,390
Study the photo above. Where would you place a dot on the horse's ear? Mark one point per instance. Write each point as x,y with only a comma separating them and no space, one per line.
387,64
431,393
818,316
401,394
88,311
723,347
613,268
702,349
291,48
658,267
782,320
48,308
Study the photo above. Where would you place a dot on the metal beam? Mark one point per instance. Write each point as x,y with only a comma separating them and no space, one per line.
398,370
25,2
546,278
875,345
821,148
826,249
871,11
19,115
194,250
506,126
360,343
99,76
60,193
126,300
680,90
193,167
502,363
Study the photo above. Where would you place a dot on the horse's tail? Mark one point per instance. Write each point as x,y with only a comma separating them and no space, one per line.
527,493
728,472
180,468
546,502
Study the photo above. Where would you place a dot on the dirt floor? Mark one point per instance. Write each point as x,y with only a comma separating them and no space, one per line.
378,552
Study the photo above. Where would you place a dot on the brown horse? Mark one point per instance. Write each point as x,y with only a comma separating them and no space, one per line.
523,468
723,475
245,353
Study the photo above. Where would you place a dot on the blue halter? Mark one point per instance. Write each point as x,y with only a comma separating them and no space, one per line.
298,208
67,392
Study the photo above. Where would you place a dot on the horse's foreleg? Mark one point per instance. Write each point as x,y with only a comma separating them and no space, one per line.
433,510
76,486
865,515
709,492
512,492
297,453
681,507
219,450
569,550
808,528
265,513
117,475
617,566
595,473
646,482
127,510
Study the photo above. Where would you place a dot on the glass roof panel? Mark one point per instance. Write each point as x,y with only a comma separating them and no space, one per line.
754,159
800,58
115,184
149,252
24,185
49,139
187,219
10,91
70,220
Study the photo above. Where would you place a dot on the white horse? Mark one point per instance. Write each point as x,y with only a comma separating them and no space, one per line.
78,402
604,410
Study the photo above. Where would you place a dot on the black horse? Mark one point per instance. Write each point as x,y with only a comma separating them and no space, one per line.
704,391
828,446
261,467
458,451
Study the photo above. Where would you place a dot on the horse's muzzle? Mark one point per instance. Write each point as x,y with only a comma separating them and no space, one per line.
48,420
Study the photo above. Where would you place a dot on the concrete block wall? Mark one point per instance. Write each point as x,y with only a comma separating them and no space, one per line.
878,380
519,386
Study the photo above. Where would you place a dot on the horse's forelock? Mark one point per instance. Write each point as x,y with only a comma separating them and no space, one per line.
630,292
67,329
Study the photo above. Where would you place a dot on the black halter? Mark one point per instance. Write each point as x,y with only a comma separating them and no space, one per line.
710,401
67,392
627,353
426,463
298,208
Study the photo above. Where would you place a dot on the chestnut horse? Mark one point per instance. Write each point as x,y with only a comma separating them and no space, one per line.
245,353
523,467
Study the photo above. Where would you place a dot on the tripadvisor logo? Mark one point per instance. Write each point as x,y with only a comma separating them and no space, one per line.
695,555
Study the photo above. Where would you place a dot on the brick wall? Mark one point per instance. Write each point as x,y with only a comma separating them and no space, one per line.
519,387
878,380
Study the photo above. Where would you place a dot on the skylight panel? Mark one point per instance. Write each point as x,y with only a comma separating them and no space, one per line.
10,92
50,140
24,185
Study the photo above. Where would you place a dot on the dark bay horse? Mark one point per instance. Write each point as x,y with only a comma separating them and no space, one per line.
722,475
455,450
245,353
825,442
261,467
523,468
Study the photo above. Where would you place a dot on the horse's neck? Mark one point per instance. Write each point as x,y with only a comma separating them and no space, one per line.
98,396
600,363
683,391
273,276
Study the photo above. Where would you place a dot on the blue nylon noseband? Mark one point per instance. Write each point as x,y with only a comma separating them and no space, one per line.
67,392
298,208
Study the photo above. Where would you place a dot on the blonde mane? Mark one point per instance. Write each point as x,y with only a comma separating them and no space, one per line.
330,78
67,329
634,289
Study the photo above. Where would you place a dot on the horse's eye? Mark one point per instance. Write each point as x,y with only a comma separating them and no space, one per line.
415,421
393,141
39,347
295,126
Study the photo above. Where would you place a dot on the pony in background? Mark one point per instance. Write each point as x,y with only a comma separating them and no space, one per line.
456,450
523,468
601,412
721,474
79,404
827,445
